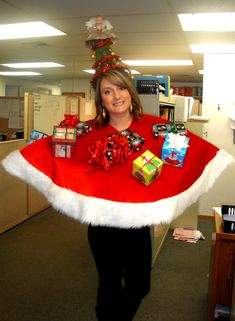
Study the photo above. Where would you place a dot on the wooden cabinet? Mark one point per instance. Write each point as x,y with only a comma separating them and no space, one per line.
233,301
36,201
222,266
13,191
18,201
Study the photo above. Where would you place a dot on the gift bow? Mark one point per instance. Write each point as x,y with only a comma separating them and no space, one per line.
109,150
177,141
70,121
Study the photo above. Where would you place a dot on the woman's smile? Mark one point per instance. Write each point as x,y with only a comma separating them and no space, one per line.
119,103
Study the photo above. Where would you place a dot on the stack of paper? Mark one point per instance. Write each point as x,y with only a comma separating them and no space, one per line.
198,118
187,235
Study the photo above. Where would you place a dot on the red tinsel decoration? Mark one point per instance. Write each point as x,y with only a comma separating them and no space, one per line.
110,150
106,68
70,120
105,59
102,43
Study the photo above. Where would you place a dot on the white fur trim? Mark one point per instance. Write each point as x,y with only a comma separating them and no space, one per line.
109,213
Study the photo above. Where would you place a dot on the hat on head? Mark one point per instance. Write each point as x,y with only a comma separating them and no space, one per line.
99,40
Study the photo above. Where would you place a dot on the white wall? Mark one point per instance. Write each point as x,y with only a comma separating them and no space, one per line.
27,86
218,98
77,86
2,87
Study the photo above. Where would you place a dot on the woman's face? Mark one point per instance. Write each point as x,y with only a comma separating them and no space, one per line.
115,99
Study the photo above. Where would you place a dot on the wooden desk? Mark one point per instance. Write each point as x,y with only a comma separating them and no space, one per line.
222,266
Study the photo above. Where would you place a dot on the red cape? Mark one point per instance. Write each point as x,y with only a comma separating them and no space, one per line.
115,197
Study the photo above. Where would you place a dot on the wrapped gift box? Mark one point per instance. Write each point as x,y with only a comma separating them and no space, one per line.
162,129
147,167
63,141
180,128
174,149
135,141
35,135
83,128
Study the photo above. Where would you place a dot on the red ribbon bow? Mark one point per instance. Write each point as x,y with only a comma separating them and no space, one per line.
111,150
70,121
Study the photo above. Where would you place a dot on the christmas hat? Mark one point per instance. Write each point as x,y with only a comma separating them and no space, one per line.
99,40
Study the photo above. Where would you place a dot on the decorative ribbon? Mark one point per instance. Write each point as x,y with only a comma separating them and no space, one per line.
63,133
70,121
149,161
102,43
108,67
176,141
104,59
111,150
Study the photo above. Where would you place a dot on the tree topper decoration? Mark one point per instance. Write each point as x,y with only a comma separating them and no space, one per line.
99,28
99,40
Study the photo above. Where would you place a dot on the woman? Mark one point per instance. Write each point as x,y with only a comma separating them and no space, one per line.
122,256
117,207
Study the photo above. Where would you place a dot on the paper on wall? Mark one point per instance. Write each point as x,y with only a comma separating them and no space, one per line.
88,108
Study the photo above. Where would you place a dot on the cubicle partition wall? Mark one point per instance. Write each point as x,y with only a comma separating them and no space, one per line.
18,117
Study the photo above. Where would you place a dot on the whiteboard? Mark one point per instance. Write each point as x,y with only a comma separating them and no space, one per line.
48,111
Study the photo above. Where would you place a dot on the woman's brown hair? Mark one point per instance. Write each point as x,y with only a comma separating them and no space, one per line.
117,78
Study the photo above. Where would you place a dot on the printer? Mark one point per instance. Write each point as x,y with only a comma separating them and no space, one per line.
228,214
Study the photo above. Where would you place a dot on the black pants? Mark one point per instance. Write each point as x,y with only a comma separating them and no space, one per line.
123,261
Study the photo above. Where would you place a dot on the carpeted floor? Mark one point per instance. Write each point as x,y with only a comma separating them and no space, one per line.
47,273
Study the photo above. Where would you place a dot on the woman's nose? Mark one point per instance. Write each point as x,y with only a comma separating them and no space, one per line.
116,93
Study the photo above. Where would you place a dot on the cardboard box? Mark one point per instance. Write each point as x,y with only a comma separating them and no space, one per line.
147,167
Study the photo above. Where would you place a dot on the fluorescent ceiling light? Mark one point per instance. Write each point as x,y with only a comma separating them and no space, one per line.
218,21
28,30
89,71
158,62
19,73
92,71
33,65
134,72
213,48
